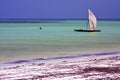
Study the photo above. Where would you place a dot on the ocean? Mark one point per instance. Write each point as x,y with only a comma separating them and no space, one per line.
26,40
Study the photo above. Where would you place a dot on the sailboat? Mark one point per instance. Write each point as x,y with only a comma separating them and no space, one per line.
92,22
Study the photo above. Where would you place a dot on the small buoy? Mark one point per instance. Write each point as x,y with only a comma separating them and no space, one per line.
40,28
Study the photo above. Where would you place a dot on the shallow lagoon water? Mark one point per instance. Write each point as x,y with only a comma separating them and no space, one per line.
26,40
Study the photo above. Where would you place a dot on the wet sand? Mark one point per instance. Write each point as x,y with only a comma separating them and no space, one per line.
31,55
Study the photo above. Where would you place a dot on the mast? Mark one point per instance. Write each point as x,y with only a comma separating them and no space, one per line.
87,24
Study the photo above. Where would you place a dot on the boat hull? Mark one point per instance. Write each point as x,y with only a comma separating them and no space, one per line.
80,30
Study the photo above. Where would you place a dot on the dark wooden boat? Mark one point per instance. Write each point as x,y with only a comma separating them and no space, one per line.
92,22
81,30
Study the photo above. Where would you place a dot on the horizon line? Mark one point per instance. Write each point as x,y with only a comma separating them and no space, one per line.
57,19
33,20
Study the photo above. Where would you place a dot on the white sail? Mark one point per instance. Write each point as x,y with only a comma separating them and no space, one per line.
92,20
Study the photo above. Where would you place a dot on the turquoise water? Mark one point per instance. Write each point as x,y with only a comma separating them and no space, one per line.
56,38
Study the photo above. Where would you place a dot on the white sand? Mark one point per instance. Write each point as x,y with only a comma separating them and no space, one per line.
78,68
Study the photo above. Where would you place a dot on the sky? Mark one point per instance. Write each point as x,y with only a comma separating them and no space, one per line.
59,9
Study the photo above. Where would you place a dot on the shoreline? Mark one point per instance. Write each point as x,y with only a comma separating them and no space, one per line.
22,58
78,67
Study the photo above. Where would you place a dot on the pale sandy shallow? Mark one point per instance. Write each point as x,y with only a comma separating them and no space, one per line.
100,66
30,55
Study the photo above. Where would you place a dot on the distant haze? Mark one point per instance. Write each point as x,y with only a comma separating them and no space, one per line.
59,9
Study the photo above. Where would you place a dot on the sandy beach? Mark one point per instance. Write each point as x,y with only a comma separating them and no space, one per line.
101,66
